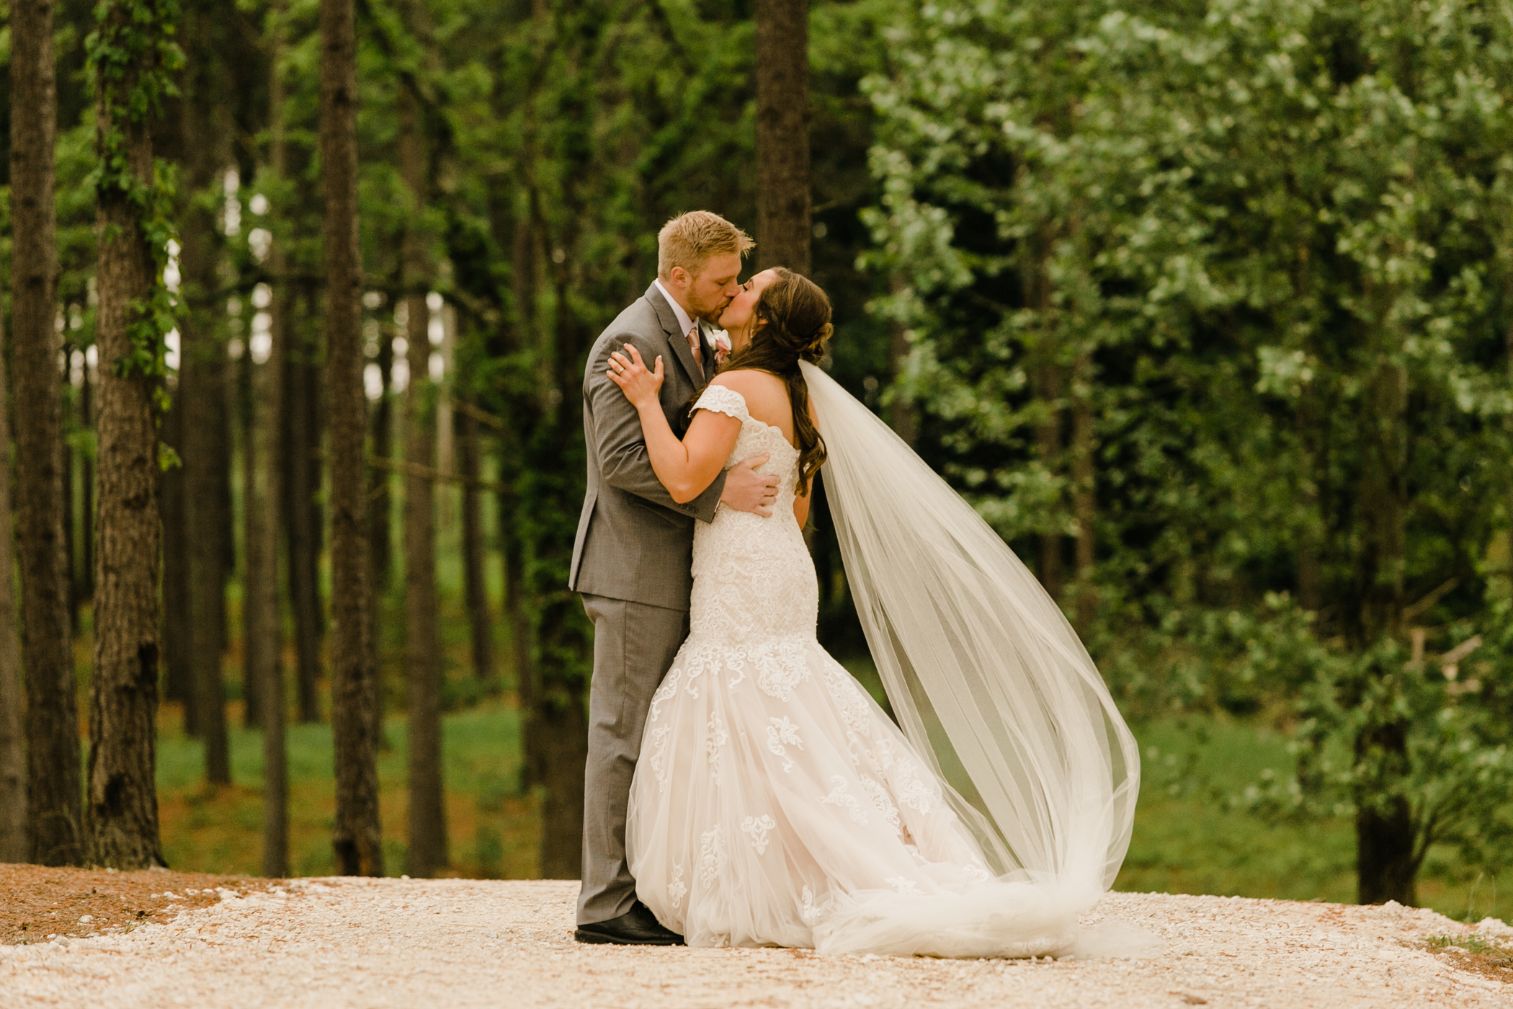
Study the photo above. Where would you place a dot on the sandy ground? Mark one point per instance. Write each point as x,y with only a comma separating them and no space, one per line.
38,902
331,943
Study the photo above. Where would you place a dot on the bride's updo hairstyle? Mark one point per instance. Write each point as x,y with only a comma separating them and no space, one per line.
797,316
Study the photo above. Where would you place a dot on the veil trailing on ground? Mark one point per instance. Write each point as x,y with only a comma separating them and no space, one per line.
983,672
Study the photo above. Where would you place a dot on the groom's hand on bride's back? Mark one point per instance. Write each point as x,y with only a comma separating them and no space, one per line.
746,490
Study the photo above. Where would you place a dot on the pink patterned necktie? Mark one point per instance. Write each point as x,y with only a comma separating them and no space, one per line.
693,345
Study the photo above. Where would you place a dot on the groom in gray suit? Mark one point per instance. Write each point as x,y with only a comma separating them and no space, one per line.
633,554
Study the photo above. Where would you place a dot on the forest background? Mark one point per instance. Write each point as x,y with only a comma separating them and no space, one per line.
1207,307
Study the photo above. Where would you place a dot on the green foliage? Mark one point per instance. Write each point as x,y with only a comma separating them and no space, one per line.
1264,245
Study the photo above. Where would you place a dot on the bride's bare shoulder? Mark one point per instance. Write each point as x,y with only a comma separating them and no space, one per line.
766,395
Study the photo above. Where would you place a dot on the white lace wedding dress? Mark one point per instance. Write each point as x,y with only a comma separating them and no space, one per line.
774,802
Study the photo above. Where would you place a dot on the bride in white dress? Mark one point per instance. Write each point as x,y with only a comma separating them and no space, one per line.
774,802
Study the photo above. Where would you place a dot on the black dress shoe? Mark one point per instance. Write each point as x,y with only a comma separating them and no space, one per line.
636,927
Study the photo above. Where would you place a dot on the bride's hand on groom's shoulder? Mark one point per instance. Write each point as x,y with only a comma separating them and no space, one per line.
628,371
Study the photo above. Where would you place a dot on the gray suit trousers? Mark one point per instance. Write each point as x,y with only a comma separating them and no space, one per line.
634,645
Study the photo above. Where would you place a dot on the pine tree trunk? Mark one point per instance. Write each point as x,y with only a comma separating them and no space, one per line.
53,773
265,499
13,839
122,804
261,593
1309,568
1385,866
319,422
202,390
380,498
517,620
1084,486
87,485
562,649
782,133
178,678
222,519
427,808
70,526
1047,386
564,728
901,414
298,487
353,697
521,237
445,425
255,636
1048,381
475,588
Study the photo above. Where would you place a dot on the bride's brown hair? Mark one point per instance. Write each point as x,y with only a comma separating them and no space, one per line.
797,316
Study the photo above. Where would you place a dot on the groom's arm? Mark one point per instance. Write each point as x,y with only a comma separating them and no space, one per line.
621,445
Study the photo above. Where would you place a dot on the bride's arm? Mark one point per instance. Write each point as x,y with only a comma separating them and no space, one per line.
687,467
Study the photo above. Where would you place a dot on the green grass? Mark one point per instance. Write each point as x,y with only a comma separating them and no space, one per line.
492,826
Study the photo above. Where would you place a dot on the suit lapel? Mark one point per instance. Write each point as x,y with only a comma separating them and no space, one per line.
676,340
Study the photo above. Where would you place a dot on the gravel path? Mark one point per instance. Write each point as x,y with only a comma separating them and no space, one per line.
332,943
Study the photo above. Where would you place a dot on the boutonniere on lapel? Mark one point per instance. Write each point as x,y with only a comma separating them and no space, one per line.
721,346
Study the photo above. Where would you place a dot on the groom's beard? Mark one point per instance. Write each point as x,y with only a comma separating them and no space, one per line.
713,315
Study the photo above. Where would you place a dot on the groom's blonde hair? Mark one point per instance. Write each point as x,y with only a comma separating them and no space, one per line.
689,239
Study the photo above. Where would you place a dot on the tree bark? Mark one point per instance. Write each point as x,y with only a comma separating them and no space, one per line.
902,417
561,645
13,840
298,443
1385,866
53,773
1309,569
519,235
380,498
222,518
202,391
264,500
1048,390
122,803
87,485
255,637
475,588
178,677
784,205
427,807
70,526
1084,486
353,697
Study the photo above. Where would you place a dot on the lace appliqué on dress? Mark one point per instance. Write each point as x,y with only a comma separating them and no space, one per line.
782,733
722,399
756,828
711,855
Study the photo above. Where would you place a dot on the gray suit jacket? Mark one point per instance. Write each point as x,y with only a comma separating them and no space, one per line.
634,542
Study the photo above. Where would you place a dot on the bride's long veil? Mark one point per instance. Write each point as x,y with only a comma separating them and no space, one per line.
987,678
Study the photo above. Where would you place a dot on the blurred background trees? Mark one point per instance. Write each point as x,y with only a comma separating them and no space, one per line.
1207,308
